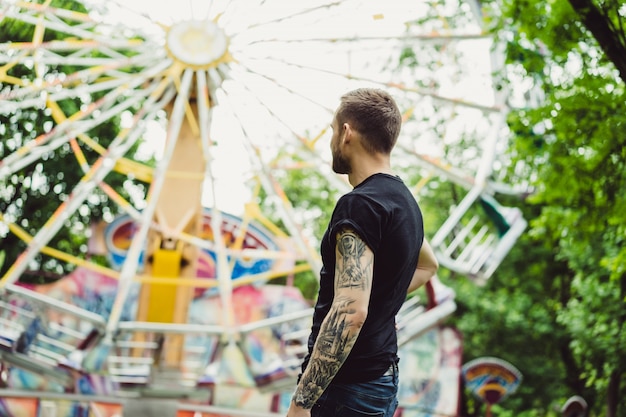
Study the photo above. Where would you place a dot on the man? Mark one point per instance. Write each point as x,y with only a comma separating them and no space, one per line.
373,253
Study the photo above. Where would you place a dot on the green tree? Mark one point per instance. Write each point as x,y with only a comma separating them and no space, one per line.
570,265
555,308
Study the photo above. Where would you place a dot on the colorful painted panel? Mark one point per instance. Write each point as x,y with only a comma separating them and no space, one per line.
119,233
19,407
491,379
430,366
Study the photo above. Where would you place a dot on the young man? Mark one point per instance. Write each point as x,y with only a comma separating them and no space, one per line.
373,253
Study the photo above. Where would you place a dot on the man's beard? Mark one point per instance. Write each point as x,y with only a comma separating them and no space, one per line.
340,164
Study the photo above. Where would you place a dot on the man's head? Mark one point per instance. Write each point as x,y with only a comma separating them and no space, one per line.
373,115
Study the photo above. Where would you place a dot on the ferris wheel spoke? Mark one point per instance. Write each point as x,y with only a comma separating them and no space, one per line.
103,46
63,132
148,112
305,145
85,33
272,109
348,40
390,84
281,85
157,100
58,254
50,10
77,61
224,15
8,106
292,15
273,188
204,111
87,75
224,268
443,168
54,24
147,19
160,96
438,97
471,175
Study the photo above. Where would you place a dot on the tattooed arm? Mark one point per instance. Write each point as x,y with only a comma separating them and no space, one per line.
341,327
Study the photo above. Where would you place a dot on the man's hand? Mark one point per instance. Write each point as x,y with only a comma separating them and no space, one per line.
295,411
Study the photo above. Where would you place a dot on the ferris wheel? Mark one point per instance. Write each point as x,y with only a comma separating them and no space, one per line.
215,106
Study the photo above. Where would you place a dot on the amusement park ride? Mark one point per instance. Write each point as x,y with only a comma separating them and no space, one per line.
185,316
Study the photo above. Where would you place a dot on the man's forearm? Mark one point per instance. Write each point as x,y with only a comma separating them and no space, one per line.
420,277
427,266
337,336
342,325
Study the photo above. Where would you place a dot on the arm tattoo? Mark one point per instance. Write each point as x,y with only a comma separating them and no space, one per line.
351,270
340,328
332,347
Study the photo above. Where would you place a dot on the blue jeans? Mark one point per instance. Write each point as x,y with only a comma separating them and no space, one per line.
376,398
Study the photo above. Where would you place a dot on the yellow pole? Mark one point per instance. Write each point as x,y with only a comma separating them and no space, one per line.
179,210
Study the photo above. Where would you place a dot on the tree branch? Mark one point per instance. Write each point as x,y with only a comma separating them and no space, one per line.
609,38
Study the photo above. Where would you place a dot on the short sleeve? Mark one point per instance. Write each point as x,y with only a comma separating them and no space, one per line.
361,214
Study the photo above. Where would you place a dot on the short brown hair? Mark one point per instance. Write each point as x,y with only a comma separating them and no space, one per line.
374,114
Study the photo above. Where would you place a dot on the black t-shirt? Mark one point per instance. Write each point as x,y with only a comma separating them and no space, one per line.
386,216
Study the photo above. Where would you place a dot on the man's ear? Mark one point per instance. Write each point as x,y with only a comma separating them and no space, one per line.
347,133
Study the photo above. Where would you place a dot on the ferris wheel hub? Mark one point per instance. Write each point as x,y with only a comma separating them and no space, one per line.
197,43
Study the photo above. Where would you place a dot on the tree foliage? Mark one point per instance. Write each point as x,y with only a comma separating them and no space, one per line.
566,280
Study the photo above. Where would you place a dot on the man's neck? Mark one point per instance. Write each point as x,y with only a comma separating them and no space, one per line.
357,176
